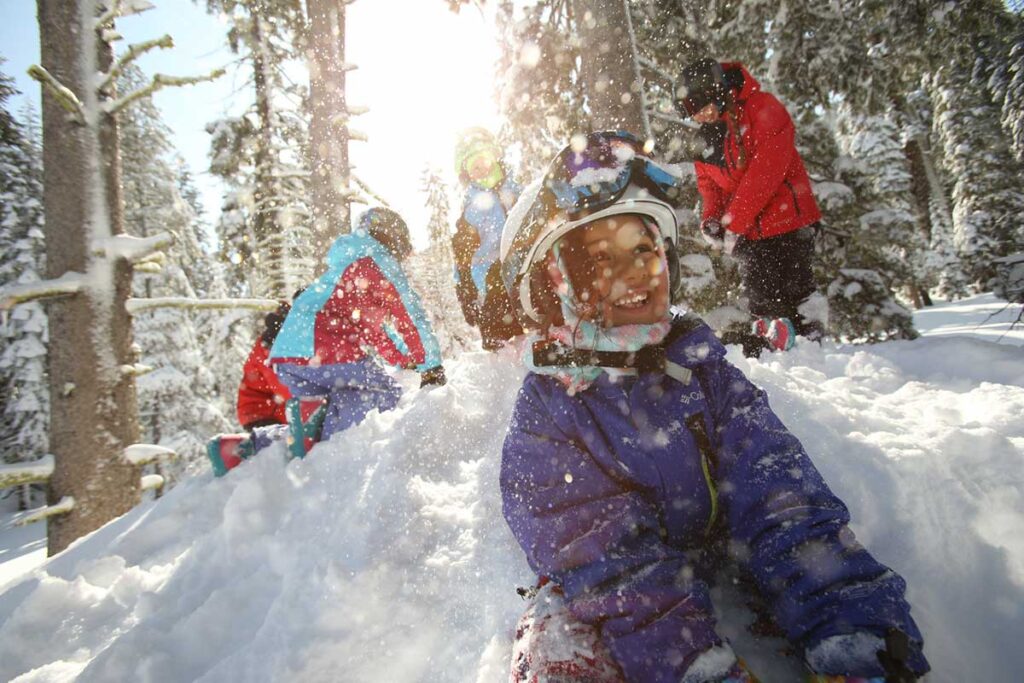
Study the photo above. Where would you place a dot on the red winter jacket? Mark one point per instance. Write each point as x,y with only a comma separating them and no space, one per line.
261,395
770,194
363,305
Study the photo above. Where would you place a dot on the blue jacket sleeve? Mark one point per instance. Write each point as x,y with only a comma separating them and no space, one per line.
581,524
790,531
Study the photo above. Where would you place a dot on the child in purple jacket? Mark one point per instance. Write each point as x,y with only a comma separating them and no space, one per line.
638,458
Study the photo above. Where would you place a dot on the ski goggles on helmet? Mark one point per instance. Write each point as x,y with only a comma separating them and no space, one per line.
588,176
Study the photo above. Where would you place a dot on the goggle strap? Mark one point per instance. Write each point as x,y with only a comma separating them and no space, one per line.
556,354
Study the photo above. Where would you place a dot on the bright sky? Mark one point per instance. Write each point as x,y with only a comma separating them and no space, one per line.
424,72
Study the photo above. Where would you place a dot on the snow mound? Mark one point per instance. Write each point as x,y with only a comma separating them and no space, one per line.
384,556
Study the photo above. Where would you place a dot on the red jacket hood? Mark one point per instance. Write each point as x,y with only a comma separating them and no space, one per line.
750,84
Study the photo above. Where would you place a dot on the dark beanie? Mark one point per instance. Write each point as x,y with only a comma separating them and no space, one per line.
700,83
272,324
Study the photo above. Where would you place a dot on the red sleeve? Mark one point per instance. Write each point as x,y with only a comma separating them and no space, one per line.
713,199
772,153
261,396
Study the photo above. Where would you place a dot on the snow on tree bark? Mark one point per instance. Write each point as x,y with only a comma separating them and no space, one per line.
93,414
609,67
329,133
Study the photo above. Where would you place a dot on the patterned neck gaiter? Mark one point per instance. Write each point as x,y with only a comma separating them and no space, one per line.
580,333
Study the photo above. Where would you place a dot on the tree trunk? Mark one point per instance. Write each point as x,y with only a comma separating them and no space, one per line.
269,240
609,67
93,412
328,128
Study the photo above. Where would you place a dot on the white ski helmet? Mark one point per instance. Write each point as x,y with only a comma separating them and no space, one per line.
605,174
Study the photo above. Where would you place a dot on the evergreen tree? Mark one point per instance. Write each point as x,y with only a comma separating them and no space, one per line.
890,230
1007,85
265,234
541,92
24,393
988,205
850,253
433,272
176,403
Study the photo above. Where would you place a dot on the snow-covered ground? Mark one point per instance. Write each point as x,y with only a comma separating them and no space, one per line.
383,554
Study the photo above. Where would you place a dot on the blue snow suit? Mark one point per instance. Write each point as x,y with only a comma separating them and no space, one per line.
485,209
611,494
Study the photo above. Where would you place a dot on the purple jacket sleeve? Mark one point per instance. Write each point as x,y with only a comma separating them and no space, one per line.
583,526
789,531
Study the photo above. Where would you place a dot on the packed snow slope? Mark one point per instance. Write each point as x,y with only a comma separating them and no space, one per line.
383,556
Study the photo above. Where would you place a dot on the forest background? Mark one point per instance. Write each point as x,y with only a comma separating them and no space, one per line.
910,117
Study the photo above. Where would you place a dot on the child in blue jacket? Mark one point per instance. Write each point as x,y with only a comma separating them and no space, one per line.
637,456
489,192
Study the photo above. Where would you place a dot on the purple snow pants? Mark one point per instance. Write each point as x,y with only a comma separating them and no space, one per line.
352,390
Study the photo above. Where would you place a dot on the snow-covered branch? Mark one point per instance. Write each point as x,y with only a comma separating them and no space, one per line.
133,52
146,453
159,81
149,267
353,195
68,283
122,8
349,66
136,370
357,135
653,67
65,98
654,113
26,472
342,118
113,12
151,481
138,305
133,248
66,505
366,188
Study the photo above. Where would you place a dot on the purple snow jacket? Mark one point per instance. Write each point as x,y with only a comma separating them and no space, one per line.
610,494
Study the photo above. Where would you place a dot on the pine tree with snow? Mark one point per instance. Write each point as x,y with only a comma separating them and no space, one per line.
433,273
540,89
1007,85
988,203
263,155
890,230
176,405
850,251
24,410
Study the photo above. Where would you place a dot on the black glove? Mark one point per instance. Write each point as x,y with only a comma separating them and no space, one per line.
894,658
713,232
433,376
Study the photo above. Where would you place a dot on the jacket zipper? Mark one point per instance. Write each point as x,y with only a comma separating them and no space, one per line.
796,204
695,423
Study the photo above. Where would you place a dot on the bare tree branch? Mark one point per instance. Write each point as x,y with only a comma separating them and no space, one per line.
134,51
159,81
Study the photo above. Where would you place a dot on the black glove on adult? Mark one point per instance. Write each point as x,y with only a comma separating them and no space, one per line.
713,232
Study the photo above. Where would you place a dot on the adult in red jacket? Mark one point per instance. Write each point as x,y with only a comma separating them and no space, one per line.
261,395
757,197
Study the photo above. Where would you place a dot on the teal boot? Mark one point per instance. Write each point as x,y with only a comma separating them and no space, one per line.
303,434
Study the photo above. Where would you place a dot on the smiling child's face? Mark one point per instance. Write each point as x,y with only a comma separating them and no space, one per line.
616,272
